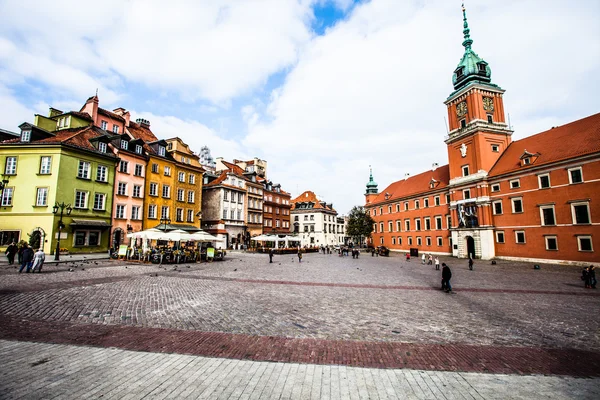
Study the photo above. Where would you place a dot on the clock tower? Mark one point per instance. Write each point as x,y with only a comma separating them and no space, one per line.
478,136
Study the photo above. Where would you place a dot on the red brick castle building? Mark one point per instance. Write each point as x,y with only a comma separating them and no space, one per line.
534,199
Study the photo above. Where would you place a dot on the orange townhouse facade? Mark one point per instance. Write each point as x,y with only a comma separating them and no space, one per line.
535,199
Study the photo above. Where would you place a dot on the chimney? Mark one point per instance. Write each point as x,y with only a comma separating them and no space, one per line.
434,166
91,107
144,123
406,175
123,113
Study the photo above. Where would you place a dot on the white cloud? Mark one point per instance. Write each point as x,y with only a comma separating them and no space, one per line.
371,90
12,112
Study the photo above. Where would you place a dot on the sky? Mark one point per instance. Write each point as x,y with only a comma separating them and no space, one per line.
321,89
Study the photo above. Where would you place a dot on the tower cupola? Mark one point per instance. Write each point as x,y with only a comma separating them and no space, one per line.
471,67
371,185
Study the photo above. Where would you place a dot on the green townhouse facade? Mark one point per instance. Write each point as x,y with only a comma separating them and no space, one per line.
69,165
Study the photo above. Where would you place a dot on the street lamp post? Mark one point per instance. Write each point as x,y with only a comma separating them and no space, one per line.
165,222
62,206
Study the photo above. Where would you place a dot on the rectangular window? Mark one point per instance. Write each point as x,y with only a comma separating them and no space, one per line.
7,196
397,207
497,207
101,173
120,211
139,170
179,215
124,144
515,184
86,238
166,191
406,206
407,225
581,213
239,216
164,212
390,226
161,151
181,176
398,226
467,194
45,165
226,195
155,168
135,212
153,189
496,187
416,204
463,123
490,120
152,211
84,170
438,223
465,170
80,199
440,241
551,242
225,213
99,201
102,147
381,227
190,215
544,181
180,194
520,237
499,236
575,175
427,224
517,205
25,136
495,148
436,200
167,171
410,241
417,224
449,221
547,215
426,203
393,240
389,209
137,191
419,241
428,241
191,179
584,243
190,196
116,129
122,189
124,167
104,125
232,214
41,198
138,149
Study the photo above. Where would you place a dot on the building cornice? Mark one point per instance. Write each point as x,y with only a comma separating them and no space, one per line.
478,125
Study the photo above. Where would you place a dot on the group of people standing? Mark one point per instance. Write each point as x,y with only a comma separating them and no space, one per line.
588,275
28,260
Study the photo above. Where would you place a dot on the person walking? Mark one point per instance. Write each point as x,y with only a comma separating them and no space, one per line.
429,259
592,276
423,259
11,250
27,258
299,255
437,264
407,256
271,256
470,263
446,276
38,260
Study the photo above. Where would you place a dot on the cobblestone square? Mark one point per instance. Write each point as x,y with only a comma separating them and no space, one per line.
371,312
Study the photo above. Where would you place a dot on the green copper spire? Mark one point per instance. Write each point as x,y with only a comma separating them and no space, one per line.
372,185
471,67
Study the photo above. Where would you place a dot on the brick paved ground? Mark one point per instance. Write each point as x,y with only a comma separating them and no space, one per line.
377,312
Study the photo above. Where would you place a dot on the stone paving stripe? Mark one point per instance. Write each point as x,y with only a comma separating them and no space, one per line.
455,357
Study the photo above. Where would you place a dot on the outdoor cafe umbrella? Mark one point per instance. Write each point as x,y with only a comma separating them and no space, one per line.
202,237
176,236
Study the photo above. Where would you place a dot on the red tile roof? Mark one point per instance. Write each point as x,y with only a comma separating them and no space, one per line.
309,196
217,181
415,185
110,114
141,132
574,139
234,168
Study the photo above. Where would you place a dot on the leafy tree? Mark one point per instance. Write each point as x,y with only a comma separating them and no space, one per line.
360,223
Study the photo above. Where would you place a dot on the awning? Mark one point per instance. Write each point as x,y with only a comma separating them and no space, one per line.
170,227
90,223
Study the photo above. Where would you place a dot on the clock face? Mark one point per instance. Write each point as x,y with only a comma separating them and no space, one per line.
461,109
488,104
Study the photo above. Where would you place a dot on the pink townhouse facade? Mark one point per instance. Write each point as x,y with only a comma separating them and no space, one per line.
128,203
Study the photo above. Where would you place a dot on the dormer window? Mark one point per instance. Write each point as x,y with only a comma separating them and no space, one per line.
115,128
526,161
25,136
161,151
102,147
124,144
459,72
138,149
481,67
528,158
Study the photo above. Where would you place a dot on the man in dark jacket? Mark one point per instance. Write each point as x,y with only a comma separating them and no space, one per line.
446,276
271,252
11,250
27,258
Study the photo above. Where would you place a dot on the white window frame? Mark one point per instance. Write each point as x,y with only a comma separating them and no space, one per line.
418,224
497,233
39,191
179,215
122,185
410,241
398,225
440,241
540,181
579,237
165,212
124,144
151,211
190,215
180,194
495,187
192,179
102,147
394,240
120,211
115,129
168,191
573,215
570,170
155,191
441,223
124,167
135,213
390,226
181,176
191,196
102,173
495,148
8,195
512,203
417,204
101,196
419,241
428,241
103,124
517,237
84,166
12,163
167,170
138,168
85,199
45,168
436,200
547,207
25,136
551,237
513,181
427,221
162,151
138,149
465,170
494,207
466,194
